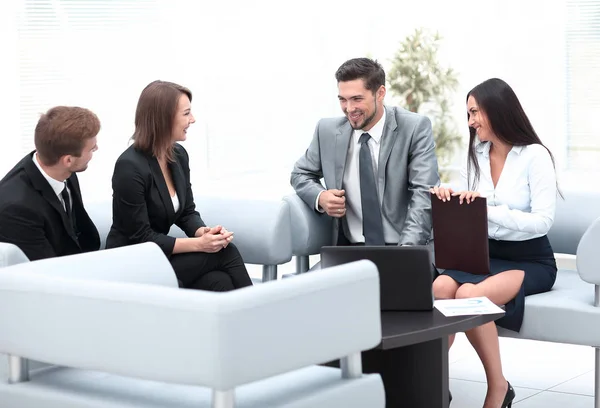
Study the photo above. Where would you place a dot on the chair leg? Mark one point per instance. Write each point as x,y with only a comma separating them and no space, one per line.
18,369
351,366
302,264
269,272
223,399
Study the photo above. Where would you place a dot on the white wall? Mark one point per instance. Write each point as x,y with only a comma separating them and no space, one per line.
10,133
262,73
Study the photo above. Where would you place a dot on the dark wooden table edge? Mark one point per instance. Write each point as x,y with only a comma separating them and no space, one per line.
452,327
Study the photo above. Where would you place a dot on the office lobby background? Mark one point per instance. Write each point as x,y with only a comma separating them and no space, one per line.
262,74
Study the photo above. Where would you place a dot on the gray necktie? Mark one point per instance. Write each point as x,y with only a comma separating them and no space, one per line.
371,211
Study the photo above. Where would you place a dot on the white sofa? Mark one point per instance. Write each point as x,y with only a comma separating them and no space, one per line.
261,227
119,333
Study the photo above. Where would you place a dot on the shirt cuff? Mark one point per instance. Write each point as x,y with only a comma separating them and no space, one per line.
319,209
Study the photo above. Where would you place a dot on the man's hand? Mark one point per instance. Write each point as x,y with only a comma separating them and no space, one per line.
333,202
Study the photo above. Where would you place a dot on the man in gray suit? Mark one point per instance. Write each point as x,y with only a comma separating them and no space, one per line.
378,163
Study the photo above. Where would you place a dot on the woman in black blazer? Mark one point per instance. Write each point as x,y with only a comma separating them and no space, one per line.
152,191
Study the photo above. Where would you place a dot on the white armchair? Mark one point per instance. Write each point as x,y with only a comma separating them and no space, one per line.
134,344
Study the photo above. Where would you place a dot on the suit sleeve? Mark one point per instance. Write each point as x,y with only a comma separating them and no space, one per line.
24,228
422,175
308,172
130,214
189,220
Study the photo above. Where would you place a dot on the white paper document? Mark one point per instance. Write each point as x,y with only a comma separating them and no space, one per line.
464,307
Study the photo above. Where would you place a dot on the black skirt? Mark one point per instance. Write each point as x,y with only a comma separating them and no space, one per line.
534,256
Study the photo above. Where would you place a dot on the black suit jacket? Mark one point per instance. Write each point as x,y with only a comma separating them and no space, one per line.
142,206
33,218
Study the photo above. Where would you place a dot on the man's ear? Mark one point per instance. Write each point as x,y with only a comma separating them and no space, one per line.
381,93
66,161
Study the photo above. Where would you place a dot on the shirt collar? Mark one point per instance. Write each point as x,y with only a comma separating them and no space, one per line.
375,132
517,149
57,186
484,149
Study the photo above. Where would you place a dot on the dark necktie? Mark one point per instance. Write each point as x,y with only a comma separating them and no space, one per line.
67,200
371,211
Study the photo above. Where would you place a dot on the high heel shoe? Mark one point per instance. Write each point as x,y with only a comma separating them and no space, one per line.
509,397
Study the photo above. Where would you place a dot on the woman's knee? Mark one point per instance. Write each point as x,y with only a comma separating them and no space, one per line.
215,281
468,290
231,250
444,287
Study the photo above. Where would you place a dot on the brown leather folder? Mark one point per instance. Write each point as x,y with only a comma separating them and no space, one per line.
460,235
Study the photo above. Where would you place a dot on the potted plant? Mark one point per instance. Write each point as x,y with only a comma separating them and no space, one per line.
423,85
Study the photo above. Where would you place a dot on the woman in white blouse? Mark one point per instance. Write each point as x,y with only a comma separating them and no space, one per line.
509,166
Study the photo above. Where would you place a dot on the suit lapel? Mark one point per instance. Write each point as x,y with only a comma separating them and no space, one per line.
161,185
342,141
40,184
388,138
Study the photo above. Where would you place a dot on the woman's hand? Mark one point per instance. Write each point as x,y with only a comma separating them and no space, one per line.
445,194
214,239
228,234
468,196
201,231
442,193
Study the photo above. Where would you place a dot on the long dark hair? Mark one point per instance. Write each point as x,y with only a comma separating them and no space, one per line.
506,118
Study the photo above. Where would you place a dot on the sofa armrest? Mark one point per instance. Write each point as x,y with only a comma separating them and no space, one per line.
587,254
310,229
189,337
261,227
141,263
11,254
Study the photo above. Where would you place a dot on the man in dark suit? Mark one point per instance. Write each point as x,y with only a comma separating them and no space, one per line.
41,210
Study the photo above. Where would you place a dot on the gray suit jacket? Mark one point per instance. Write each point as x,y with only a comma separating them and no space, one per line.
407,169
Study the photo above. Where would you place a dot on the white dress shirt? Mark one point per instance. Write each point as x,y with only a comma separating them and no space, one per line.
175,200
57,186
522,204
351,184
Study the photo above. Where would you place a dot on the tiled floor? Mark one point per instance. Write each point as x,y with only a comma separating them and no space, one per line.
544,375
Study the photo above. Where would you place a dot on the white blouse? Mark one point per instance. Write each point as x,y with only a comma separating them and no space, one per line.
176,204
522,204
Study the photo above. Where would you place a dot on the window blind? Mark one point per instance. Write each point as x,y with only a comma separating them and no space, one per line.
81,52
583,84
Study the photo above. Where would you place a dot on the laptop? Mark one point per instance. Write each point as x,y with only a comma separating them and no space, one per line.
460,233
405,273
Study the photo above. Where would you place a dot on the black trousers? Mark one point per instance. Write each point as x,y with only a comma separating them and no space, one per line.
218,272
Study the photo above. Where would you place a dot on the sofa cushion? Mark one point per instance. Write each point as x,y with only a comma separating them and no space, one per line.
10,254
566,314
311,387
